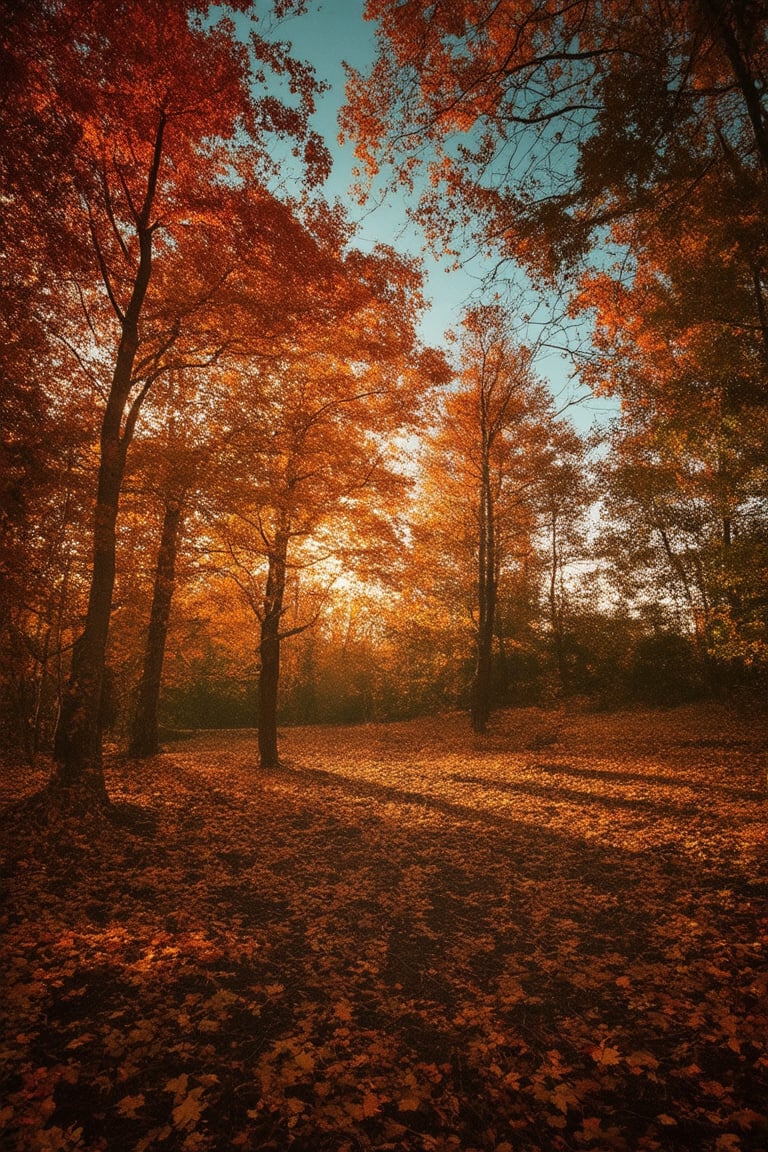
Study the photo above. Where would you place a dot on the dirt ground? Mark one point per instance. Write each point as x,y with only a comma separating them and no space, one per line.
549,938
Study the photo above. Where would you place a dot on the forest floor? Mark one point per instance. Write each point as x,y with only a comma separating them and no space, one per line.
551,938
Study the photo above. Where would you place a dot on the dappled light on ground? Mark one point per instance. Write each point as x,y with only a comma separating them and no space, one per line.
551,937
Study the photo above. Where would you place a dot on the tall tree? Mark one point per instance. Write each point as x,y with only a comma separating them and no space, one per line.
144,735
564,494
317,451
145,113
486,460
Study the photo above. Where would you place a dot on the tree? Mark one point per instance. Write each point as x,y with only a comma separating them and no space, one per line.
564,496
484,468
620,152
316,455
144,736
684,348
146,114
523,113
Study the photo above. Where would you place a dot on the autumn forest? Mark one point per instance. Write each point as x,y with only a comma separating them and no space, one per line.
382,714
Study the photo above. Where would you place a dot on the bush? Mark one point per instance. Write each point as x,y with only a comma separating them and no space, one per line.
665,670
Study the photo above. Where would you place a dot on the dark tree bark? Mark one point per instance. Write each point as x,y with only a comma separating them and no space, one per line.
731,28
77,745
145,740
269,650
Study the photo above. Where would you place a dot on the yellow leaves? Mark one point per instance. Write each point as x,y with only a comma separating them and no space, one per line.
413,1093
714,1088
563,1097
592,1130
295,1105
178,1085
56,1139
155,1135
746,1118
339,1054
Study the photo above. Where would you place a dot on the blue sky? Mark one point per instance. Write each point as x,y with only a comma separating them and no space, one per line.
334,31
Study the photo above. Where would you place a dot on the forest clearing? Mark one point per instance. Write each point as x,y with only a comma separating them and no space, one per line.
549,937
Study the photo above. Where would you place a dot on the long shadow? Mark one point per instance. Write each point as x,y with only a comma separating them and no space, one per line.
621,777
640,777
535,852
523,787
551,792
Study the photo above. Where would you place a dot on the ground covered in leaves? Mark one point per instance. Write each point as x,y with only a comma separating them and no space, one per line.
549,938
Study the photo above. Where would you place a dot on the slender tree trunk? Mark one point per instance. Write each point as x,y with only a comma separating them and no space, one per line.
37,714
727,24
77,746
486,586
145,739
555,611
269,649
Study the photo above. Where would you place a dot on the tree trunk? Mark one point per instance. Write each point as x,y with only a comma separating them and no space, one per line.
77,745
486,588
78,766
727,24
145,739
555,610
269,649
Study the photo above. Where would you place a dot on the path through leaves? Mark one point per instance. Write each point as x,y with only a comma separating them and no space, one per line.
549,938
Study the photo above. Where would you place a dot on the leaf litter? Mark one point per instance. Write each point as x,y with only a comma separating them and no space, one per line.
551,938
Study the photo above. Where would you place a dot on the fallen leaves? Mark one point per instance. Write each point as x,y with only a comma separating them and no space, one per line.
408,937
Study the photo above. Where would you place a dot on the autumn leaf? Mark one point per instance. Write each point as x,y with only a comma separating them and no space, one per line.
369,874
591,1129
178,1086
605,1055
342,1010
641,1060
188,1111
409,1103
305,1061
130,1105
79,1041
563,1097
